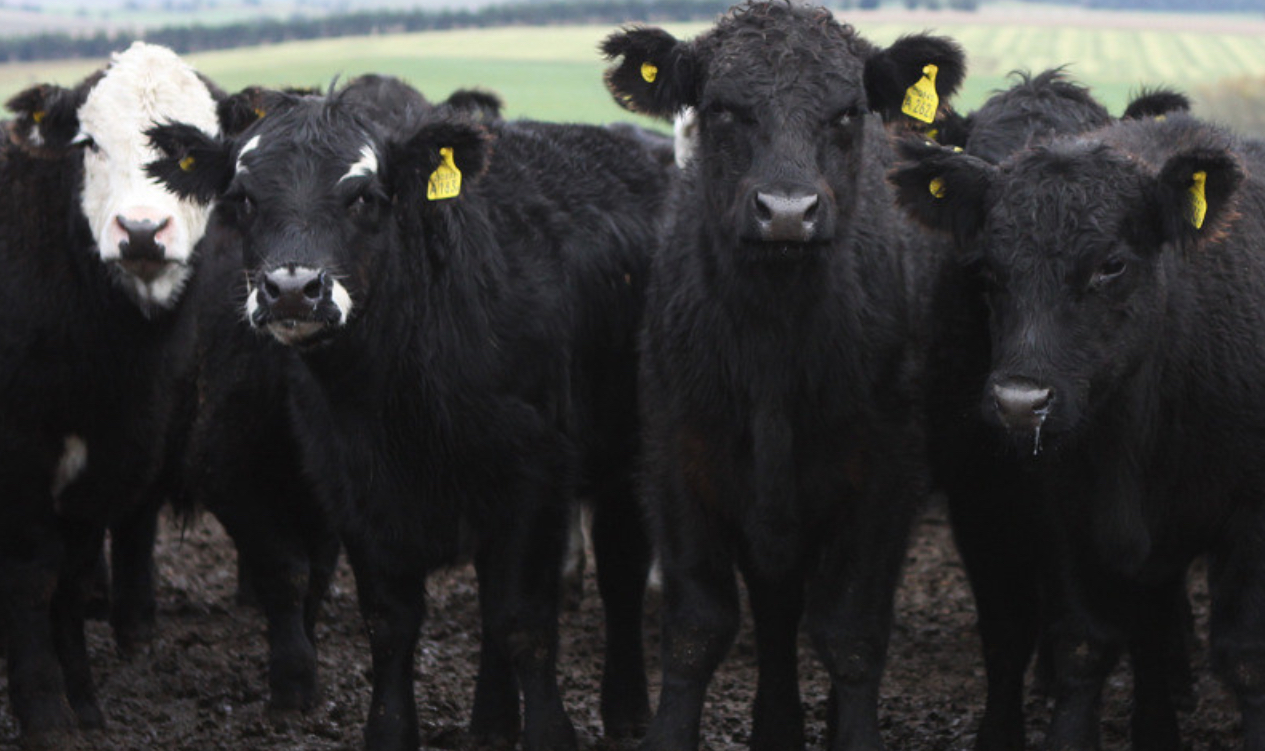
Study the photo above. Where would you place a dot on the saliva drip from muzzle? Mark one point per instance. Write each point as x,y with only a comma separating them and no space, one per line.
1036,433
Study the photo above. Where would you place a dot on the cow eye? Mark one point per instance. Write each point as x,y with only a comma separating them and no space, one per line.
86,141
723,114
1110,269
846,116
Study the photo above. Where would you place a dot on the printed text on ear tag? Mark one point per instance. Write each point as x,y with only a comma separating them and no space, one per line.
921,99
937,188
649,71
1198,207
445,181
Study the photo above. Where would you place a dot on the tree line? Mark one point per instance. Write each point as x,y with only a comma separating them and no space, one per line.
199,37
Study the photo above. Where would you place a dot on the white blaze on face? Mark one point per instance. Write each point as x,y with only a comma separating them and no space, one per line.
144,86
685,136
250,146
74,460
366,165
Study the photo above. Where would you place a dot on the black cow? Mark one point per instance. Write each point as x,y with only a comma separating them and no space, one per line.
780,356
1123,272
995,527
465,365
94,341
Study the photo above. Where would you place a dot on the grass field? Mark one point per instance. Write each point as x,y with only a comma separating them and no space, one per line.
555,72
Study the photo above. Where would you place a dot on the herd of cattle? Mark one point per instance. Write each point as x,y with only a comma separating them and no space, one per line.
412,331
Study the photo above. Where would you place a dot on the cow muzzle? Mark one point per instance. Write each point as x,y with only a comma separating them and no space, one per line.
788,216
296,303
1022,406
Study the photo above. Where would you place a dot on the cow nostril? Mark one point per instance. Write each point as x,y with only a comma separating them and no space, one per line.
314,289
763,211
810,211
271,290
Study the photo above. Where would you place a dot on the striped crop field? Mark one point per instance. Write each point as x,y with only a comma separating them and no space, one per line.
555,72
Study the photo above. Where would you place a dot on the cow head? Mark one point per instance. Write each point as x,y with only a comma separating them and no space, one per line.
1080,243
783,94
315,190
143,231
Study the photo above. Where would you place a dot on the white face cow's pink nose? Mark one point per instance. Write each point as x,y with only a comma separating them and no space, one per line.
142,235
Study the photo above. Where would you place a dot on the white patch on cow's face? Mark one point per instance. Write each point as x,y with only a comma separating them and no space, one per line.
342,301
366,165
144,86
74,460
250,146
252,305
685,136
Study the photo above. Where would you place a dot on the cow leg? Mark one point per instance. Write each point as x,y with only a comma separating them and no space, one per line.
323,560
994,536
778,715
622,548
132,580
700,621
1153,636
69,610
31,555
1084,651
392,596
1236,580
519,571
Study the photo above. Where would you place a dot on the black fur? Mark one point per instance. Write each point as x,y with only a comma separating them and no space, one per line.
1142,460
484,376
781,363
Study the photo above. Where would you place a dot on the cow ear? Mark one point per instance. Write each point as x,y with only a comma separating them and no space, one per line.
1156,103
483,106
239,111
194,166
915,77
47,119
440,159
654,74
1196,195
943,188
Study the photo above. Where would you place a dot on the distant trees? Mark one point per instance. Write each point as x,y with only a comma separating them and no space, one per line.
198,37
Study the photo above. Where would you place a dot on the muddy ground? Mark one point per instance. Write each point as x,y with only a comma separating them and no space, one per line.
202,686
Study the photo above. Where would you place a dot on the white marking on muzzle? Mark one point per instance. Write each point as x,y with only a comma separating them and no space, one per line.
342,300
252,305
74,460
366,165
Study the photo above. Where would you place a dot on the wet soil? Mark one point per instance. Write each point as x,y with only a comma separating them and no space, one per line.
203,685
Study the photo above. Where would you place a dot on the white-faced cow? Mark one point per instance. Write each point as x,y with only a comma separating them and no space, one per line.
1123,272
465,326
92,341
780,368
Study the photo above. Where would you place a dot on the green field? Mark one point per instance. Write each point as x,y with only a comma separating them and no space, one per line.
555,72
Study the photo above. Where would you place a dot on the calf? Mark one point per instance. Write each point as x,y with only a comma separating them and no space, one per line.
780,364
995,527
464,347
1122,270
93,342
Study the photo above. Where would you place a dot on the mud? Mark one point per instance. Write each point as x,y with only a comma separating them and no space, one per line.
202,685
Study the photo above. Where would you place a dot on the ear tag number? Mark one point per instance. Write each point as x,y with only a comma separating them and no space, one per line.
921,99
1198,207
937,187
649,71
186,164
445,181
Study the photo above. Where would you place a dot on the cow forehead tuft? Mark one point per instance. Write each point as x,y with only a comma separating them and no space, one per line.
145,85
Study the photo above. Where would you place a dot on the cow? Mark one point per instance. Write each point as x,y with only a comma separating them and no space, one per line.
780,355
463,324
94,341
1122,271
993,526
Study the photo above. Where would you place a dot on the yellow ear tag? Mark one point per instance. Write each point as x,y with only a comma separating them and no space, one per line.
649,71
259,112
1161,118
186,164
1198,207
38,116
445,181
937,188
921,99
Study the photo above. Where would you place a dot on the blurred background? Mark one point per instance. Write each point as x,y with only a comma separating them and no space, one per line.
541,56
